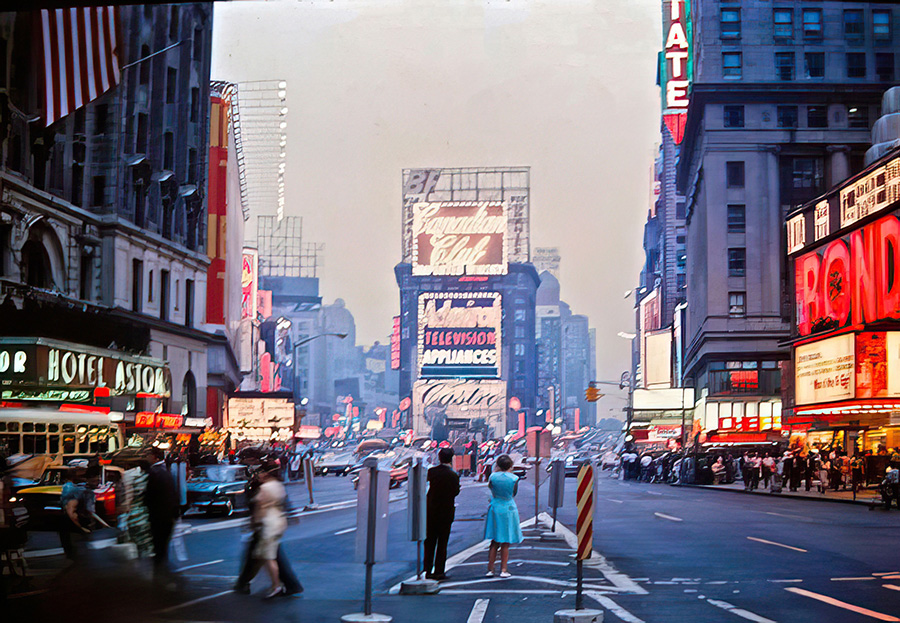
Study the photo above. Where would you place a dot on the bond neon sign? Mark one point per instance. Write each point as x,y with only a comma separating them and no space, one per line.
853,280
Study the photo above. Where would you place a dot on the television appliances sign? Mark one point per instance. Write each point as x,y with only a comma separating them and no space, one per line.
459,334
459,238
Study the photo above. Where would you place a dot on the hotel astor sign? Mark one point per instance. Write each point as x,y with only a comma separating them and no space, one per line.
50,364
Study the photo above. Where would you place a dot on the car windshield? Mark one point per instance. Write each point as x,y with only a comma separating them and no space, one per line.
217,473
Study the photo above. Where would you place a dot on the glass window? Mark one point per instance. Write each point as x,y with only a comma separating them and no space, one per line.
884,66
737,219
734,116
53,444
171,84
815,64
784,23
737,262
13,427
734,174
853,24
787,116
10,443
520,350
812,23
881,25
784,65
520,332
858,117
856,64
817,116
731,64
730,21
68,444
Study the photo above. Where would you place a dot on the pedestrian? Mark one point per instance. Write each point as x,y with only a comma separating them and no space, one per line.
251,564
646,460
162,510
811,468
75,523
798,468
824,471
755,467
890,487
857,472
768,469
270,522
787,461
718,470
443,487
137,520
502,523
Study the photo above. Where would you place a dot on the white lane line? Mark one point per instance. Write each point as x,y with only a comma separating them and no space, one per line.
346,531
192,602
786,515
202,564
615,501
746,614
784,581
851,579
842,604
893,587
460,591
519,562
522,578
478,611
43,553
652,492
886,573
796,549
613,607
669,517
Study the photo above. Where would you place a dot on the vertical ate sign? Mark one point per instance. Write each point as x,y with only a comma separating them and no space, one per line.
459,334
459,238
676,66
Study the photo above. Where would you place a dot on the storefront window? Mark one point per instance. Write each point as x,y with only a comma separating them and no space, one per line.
68,442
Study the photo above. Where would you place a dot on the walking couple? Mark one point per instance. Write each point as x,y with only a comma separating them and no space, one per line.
501,526
268,502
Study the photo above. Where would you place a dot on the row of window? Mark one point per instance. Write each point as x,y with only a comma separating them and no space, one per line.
787,116
137,292
814,65
812,25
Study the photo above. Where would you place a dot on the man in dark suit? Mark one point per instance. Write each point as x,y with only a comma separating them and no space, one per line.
162,509
441,506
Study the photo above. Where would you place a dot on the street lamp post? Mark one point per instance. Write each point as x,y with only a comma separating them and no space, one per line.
294,376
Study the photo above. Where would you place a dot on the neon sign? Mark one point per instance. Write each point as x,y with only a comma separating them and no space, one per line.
459,238
676,66
852,280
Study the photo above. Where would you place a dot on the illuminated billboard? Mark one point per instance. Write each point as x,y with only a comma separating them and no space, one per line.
395,344
454,402
824,371
676,66
459,238
249,283
459,334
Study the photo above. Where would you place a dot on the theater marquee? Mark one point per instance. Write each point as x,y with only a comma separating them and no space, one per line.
459,334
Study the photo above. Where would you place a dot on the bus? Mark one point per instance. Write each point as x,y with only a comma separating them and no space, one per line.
61,434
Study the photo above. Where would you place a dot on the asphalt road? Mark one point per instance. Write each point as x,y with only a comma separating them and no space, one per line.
661,554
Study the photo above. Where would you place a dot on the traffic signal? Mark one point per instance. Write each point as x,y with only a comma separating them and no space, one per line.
592,394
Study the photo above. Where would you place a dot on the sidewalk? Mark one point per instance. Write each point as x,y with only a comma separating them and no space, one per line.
867,497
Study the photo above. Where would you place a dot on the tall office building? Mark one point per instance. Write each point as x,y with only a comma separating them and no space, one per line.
779,99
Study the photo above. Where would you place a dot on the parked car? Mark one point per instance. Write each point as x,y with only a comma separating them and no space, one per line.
397,466
44,504
574,461
338,463
218,489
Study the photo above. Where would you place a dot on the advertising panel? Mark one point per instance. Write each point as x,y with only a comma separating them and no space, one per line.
249,283
825,371
459,334
440,402
676,66
459,238
871,193
395,344
658,359
254,418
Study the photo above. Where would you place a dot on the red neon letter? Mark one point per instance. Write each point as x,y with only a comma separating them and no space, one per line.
835,280
862,247
887,235
806,285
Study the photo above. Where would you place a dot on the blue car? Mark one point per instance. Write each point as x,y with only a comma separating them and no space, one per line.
218,489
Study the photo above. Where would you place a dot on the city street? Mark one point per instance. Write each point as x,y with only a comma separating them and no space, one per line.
661,554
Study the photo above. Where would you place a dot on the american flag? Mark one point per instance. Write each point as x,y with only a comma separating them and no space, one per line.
80,57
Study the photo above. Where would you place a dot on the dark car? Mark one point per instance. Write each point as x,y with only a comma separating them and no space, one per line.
397,467
218,488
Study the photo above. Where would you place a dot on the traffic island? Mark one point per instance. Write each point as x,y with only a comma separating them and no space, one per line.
420,587
584,615
359,617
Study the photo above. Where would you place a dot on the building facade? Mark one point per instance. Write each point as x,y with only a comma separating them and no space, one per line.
103,212
467,301
781,99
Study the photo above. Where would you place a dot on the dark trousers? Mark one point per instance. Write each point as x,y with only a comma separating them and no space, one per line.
250,568
161,532
436,548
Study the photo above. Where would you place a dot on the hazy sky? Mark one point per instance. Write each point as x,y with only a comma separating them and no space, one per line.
567,87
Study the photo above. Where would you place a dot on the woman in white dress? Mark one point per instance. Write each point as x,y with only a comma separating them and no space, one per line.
270,522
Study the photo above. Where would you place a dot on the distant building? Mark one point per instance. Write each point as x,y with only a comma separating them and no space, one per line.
546,259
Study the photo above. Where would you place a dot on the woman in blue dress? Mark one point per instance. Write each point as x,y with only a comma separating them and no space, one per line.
502,524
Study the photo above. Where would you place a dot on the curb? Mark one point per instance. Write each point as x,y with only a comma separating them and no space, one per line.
873,502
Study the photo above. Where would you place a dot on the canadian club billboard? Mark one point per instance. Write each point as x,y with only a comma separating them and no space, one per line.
459,334
459,238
